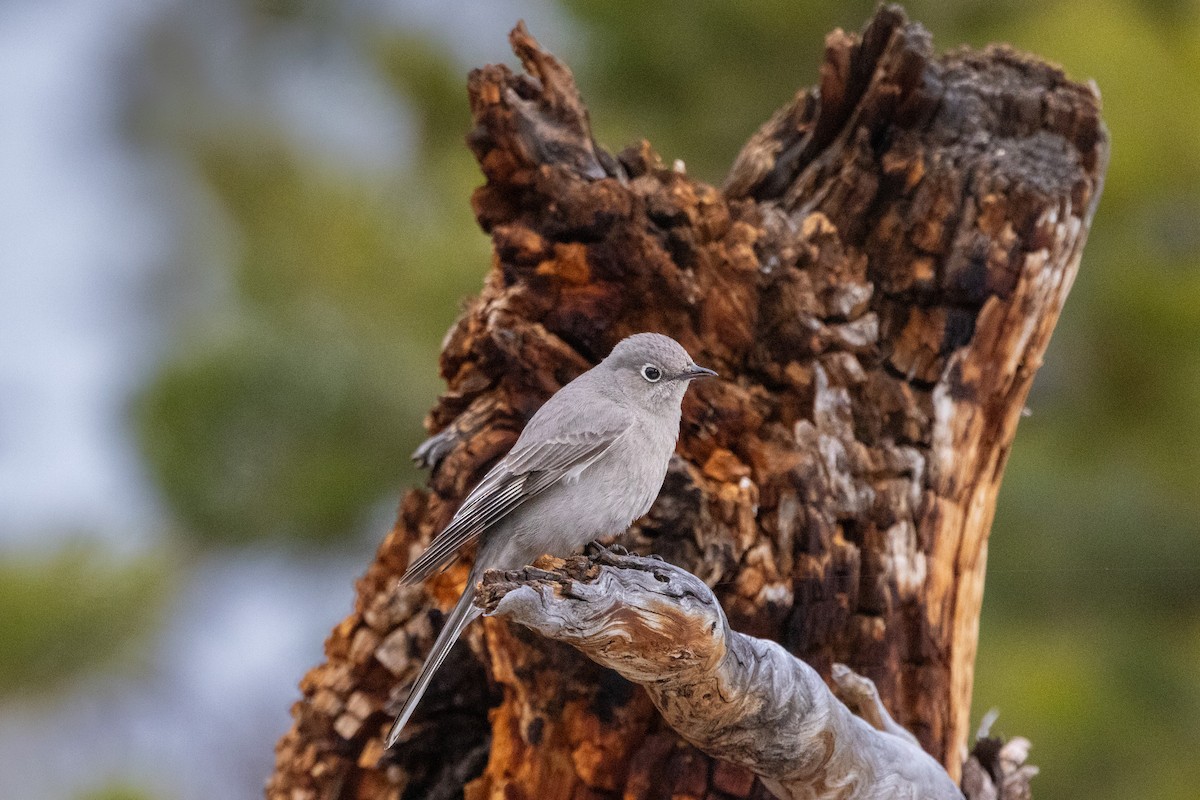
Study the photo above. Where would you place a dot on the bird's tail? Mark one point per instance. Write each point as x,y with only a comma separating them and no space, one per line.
464,612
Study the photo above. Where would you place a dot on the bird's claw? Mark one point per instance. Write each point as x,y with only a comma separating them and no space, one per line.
611,555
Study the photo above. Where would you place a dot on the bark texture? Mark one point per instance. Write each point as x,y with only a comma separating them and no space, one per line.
877,283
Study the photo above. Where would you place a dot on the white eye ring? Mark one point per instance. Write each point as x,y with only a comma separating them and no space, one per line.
651,373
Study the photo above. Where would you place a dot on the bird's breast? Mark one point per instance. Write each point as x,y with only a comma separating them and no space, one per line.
634,475
603,500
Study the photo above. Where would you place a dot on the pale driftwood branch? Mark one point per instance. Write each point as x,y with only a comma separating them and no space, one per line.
736,697
862,697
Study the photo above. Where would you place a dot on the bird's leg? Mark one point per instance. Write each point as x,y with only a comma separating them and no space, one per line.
613,555
597,549
596,546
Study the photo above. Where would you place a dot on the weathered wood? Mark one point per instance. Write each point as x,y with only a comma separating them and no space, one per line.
741,699
997,770
877,283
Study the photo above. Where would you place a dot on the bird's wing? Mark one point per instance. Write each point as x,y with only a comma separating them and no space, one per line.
529,469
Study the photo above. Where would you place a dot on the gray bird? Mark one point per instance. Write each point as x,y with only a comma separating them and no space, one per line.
590,462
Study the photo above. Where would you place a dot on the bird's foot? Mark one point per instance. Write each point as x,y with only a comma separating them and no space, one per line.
602,554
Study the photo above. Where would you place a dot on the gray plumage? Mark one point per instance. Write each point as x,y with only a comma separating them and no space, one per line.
590,462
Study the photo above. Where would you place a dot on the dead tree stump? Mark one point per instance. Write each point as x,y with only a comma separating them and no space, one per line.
876,283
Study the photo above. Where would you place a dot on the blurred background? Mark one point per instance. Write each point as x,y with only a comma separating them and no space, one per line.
234,233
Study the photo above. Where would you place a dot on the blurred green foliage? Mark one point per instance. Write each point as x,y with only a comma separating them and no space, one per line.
288,411
697,78
117,791
275,434
291,413
76,610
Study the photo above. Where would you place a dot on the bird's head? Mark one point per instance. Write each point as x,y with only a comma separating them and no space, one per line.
652,370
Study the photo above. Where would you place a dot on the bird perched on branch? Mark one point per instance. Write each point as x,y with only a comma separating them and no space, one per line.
590,462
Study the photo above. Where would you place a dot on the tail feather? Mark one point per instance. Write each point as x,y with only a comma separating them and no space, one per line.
464,612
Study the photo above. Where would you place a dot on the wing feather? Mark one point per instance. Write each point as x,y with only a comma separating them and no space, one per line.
525,472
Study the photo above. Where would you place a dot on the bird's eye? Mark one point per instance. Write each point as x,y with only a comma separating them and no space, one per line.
651,373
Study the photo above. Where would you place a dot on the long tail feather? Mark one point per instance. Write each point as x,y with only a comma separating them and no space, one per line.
464,612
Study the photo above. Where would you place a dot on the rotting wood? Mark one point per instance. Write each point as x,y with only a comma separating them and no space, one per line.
877,282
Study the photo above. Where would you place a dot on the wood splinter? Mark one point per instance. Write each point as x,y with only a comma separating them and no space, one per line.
736,697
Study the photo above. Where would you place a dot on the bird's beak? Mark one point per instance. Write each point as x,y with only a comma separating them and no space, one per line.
696,371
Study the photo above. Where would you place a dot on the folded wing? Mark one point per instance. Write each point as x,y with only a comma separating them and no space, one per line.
529,469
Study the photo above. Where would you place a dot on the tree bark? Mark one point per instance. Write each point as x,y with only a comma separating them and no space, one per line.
876,283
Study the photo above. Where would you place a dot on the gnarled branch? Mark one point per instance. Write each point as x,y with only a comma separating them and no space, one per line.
736,697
